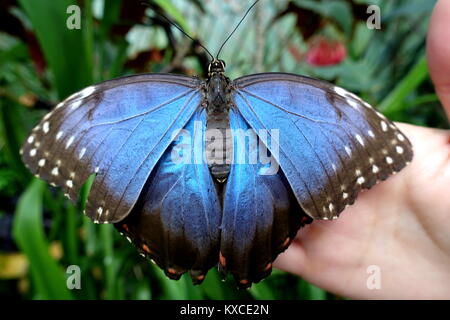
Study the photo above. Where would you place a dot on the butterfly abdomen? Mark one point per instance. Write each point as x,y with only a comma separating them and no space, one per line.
219,146
218,139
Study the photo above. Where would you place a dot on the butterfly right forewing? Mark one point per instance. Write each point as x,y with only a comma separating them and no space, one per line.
332,144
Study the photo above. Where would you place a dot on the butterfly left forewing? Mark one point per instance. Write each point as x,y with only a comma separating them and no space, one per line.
332,144
117,130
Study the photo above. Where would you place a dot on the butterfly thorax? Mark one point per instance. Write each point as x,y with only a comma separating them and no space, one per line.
218,134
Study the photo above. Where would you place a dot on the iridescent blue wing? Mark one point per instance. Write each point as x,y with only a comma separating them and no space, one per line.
331,143
176,222
118,129
260,213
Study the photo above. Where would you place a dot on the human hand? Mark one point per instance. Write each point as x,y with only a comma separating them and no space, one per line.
401,225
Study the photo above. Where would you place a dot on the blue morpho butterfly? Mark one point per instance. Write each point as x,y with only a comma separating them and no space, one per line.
189,206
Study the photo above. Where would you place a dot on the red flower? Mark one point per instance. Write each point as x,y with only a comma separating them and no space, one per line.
325,52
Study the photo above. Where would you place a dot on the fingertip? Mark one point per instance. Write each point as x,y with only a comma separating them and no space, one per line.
292,260
438,51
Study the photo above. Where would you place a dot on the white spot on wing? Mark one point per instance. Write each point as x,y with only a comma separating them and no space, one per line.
82,152
340,91
389,160
47,115
360,140
348,150
46,127
399,149
400,137
55,171
352,103
384,126
32,152
86,92
59,135
375,169
345,195
30,139
380,115
69,142
69,183
361,180
368,105
331,207
41,163
76,104
371,134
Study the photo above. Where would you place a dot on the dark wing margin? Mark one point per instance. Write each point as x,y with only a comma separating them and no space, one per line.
118,130
331,144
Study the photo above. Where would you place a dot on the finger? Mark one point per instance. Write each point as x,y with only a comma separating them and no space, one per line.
438,51
292,260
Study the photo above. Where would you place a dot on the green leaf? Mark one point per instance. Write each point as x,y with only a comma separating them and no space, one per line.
393,103
213,287
11,136
262,291
65,50
171,289
174,13
309,291
29,235
336,10
361,40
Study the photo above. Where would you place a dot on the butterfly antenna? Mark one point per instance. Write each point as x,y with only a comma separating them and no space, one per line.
181,29
231,34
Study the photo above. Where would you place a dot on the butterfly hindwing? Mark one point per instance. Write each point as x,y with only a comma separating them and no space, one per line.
118,130
331,143
260,213
177,220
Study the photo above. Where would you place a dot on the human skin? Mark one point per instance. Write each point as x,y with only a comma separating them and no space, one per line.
402,225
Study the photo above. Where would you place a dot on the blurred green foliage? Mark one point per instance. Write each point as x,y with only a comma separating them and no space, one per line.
42,61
